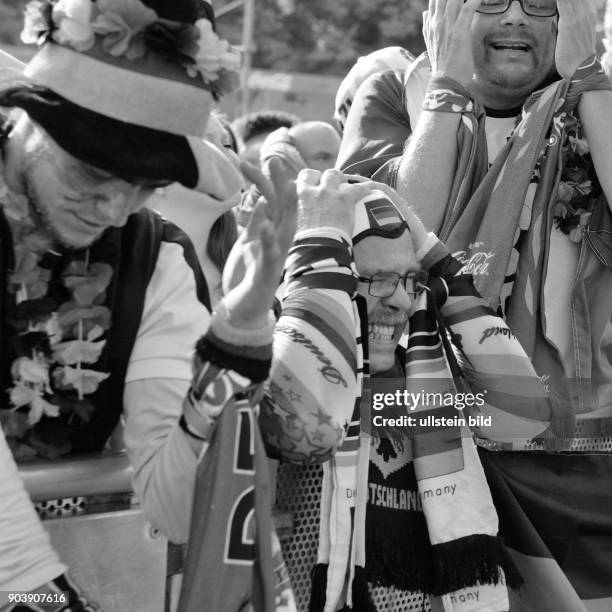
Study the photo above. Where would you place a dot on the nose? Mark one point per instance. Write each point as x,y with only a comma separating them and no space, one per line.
515,15
400,300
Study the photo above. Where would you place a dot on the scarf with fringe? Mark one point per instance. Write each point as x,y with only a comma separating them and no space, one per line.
468,560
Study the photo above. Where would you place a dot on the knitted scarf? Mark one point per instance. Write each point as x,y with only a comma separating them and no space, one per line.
469,560
463,553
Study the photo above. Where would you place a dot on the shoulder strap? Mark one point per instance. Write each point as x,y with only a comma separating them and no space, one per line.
172,233
137,245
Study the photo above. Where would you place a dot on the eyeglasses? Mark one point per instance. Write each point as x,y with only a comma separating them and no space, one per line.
535,8
384,284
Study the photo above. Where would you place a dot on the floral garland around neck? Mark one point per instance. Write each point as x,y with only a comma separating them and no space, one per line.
579,188
55,341
131,29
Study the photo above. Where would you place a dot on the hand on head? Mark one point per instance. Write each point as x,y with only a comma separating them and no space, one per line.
327,199
576,34
448,37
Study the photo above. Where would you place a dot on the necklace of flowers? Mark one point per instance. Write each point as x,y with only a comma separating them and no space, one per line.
579,187
54,341
129,28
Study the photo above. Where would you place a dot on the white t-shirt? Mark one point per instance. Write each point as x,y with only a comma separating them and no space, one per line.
498,130
27,559
157,380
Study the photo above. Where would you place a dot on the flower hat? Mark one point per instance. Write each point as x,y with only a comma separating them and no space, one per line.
127,86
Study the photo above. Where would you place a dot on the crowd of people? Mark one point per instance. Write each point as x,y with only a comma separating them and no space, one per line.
417,297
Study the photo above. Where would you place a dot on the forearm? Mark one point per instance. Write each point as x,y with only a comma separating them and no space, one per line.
168,421
595,112
27,559
161,453
312,384
495,365
492,359
427,167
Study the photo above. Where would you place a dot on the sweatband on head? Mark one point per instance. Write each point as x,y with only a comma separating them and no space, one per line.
376,215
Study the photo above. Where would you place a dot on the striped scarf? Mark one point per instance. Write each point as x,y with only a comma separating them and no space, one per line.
470,560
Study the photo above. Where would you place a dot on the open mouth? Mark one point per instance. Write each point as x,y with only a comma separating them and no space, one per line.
381,333
385,333
511,46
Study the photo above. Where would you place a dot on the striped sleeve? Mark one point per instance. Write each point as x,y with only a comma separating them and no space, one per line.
492,359
311,390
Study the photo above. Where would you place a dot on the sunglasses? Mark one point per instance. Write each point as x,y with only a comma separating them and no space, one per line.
534,8
384,284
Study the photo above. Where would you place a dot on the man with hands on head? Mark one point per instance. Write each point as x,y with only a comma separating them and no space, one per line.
514,121
381,526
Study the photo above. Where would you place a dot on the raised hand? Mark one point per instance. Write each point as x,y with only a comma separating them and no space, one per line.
254,266
448,37
576,34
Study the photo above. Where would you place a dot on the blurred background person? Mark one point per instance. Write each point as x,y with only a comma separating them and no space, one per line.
252,129
209,222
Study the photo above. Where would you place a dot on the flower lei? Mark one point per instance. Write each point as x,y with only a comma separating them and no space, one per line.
579,187
55,341
129,28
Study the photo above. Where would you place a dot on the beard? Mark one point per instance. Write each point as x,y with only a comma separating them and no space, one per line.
43,216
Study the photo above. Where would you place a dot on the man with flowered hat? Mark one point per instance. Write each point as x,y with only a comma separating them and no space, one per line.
103,302
97,294
406,513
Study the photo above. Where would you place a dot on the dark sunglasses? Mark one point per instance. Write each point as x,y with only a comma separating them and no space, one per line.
384,284
534,8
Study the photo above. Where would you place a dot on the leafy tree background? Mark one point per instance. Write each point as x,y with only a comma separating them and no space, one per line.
314,36
326,36
11,20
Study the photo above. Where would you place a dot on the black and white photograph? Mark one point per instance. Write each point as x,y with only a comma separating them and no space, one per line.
305,306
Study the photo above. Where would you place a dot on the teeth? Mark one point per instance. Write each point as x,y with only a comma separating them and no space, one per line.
382,333
515,47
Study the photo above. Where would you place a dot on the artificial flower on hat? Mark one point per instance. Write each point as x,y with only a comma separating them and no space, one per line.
135,80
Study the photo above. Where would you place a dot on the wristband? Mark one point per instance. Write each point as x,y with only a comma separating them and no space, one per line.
223,329
589,76
445,95
591,66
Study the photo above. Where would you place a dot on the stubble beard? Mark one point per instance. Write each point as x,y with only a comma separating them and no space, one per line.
41,215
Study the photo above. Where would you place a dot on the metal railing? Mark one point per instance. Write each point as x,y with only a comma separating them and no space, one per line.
85,475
